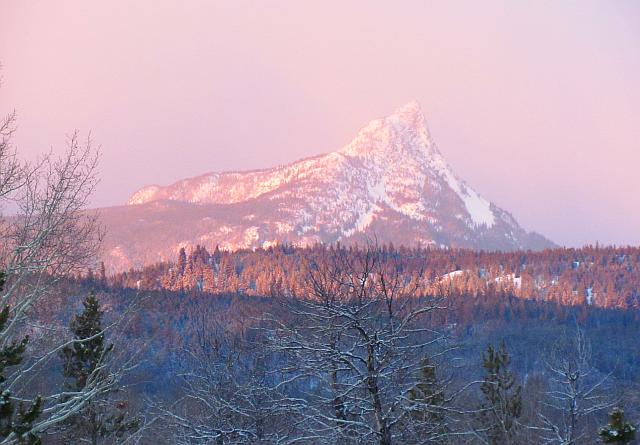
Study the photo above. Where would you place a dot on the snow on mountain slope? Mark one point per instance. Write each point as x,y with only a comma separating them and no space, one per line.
390,182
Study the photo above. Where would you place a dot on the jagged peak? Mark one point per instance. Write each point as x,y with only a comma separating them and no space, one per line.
391,176
407,121
411,111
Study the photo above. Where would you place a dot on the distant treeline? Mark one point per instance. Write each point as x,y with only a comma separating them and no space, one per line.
606,277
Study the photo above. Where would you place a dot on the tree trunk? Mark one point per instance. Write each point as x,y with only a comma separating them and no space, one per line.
381,422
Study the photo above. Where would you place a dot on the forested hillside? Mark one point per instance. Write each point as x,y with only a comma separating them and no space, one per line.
381,345
607,277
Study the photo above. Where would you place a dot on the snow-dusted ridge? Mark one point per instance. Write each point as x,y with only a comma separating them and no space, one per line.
401,136
390,181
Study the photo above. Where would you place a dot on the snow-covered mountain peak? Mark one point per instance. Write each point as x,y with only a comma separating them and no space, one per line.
390,181
404,130
410,113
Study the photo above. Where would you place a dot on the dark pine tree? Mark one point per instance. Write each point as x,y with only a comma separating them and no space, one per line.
103,274
427,399
617,431
85,361
502,403
16,424
182,261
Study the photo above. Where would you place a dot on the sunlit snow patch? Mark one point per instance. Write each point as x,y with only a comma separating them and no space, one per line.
479,208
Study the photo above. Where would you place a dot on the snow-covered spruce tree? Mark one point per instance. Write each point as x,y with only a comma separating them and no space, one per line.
85,365
12,423
502,400
618,430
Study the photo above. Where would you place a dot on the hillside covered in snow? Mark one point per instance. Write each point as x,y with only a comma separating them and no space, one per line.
390,183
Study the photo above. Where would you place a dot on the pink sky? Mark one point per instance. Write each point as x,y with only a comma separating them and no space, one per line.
536,104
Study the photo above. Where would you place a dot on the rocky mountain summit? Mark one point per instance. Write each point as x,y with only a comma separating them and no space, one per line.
391,182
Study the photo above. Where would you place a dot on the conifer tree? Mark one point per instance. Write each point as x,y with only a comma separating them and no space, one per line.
85,363
182,261
427,400
103,274
426,393
502,403
617,431
15,424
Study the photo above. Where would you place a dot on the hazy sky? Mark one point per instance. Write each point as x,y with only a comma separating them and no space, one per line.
536,104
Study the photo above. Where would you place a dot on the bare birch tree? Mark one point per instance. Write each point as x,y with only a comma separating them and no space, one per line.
48,236
228,392
577,392
359,339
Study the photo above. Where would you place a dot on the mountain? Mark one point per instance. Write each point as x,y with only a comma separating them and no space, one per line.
390,183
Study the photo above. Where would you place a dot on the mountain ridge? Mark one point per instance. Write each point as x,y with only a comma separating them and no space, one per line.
390,181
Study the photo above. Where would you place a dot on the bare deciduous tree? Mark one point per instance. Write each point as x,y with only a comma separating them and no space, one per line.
358,339
228,392
47,237
577,391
